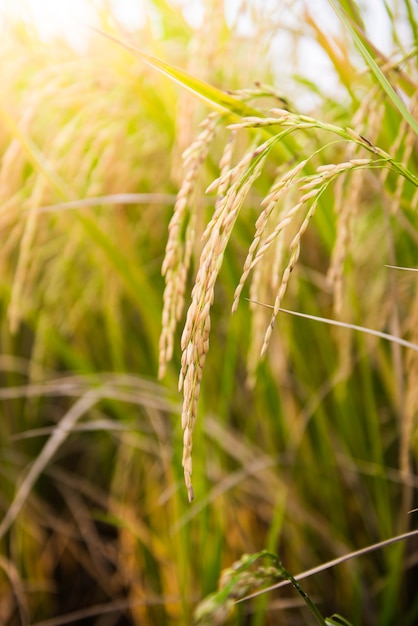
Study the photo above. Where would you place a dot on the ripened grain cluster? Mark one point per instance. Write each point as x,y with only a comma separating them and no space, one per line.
284,216
195,337
180,240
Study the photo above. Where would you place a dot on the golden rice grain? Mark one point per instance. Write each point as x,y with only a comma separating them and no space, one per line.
254,253
335,270
367,120
195,337
295,251
179,246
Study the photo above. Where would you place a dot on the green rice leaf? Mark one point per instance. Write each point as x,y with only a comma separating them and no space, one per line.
216,98
379,75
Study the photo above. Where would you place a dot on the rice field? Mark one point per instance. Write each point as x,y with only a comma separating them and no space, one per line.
209,314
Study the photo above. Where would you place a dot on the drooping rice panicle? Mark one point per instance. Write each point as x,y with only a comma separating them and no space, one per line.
279,189
222,183
264,281
295,251
259,246
195,337
367,120
336,268
180,241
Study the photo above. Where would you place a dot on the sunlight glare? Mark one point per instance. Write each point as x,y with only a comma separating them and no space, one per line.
71,19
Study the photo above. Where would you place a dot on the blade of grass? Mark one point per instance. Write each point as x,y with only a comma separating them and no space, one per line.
112,199
12,574
99,610
216,98
379,75
363,329
220,100
61,432
398,267
412,21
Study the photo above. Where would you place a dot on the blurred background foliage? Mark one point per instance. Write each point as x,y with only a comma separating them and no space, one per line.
312,457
